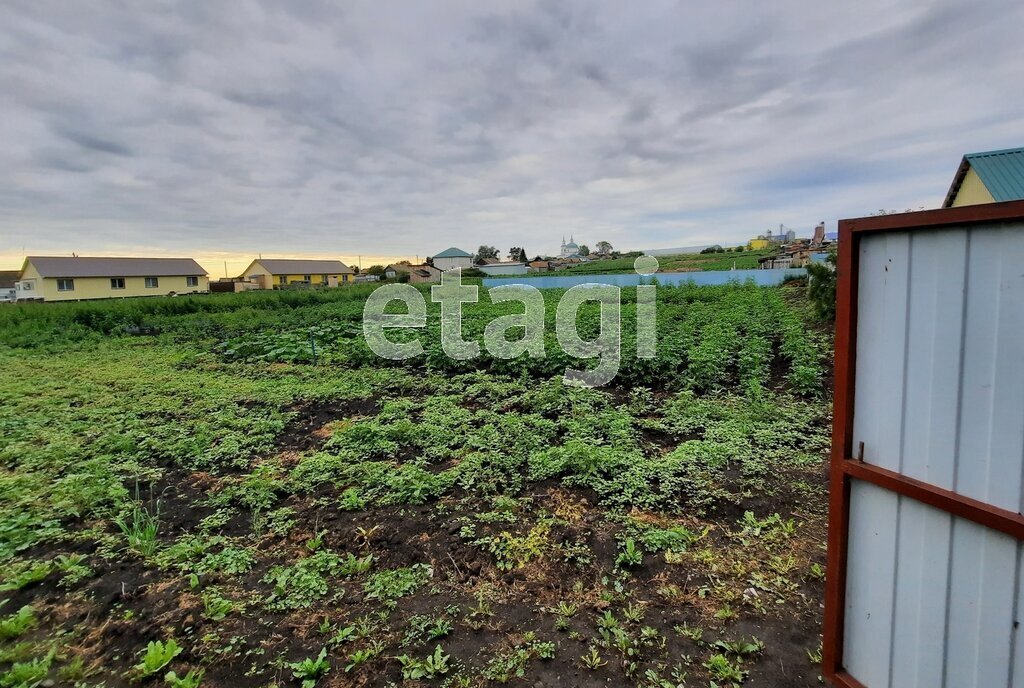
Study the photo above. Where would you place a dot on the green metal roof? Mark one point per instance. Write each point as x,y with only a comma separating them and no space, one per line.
453,253
1001,171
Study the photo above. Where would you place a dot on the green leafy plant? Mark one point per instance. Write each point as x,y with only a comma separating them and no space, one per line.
630,556
27,674
364,655
193,679
157,656
389,585
721,669
741,648
216,607
592,660
17,624
140,529
309,670
433,665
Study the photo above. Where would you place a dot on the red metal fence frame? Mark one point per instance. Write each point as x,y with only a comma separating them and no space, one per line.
846,465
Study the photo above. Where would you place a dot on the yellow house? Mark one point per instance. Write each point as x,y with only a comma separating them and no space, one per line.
756,244
274,273
989,177
59,278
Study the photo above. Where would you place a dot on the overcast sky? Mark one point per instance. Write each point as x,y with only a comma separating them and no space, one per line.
395,129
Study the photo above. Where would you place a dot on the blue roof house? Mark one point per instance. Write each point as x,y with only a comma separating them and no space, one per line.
989,177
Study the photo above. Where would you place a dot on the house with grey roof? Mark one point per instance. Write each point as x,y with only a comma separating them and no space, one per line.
277,273
75,278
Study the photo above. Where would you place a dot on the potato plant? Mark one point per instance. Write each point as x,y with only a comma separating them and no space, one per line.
209,506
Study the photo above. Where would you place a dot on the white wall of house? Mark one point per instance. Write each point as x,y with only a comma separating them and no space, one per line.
504,269
456,262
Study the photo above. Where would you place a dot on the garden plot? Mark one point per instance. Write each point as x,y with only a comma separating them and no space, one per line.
209,508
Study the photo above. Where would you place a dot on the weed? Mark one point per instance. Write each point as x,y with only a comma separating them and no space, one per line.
17,624
630,556
309,671
726,613
721,669
690,632
140,529
216,607
352,565
391,584
634,613
433,665
299,585
741,648
423,629
190,680
157,656
25,573
364,655
27,674
592,660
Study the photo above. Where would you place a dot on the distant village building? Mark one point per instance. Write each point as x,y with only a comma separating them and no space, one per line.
417,273
569,250
819,234
59,278
8,278
989,177
509,268
275,273
452,258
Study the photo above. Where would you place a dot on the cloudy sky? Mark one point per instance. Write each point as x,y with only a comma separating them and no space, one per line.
222,129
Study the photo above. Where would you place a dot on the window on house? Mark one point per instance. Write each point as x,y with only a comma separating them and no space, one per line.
65,284
307,278
323,278
27,286
152,282
283,279
117,282
191,281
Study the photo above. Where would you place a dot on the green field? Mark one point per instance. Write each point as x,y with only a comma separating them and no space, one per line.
684,262
210,501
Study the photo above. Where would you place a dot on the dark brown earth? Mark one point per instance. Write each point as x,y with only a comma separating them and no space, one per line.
126,603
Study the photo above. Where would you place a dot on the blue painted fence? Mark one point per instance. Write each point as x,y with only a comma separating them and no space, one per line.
763,278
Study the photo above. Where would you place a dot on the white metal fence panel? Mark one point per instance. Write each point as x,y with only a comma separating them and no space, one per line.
940,359
932,600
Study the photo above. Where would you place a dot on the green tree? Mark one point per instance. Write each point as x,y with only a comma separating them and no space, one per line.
821,287
604,247
584,250
485,252
517,255
375,270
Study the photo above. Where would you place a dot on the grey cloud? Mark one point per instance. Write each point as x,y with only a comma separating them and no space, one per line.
309,126
92,141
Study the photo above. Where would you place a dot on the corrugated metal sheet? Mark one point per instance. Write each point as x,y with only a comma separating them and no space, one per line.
932,599
1002,172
